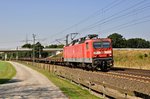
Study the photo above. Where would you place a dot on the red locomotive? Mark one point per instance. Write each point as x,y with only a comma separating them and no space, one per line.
89,52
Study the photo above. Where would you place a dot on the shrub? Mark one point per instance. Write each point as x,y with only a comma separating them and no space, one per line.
145,55
141,56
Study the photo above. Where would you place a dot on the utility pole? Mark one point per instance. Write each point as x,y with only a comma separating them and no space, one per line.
17,53
33,48
40,52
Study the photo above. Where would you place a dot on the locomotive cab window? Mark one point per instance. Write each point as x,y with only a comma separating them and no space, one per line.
101,44
106,44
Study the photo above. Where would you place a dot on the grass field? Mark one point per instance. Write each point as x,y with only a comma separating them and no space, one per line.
71,90
7,71
139,59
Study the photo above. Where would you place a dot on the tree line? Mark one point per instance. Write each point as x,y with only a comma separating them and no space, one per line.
118,41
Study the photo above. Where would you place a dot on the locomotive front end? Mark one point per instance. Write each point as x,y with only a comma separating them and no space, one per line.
102,54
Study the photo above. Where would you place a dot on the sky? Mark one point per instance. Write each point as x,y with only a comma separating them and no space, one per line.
54,19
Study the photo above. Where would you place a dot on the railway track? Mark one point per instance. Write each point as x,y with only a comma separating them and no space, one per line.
133,74
131,71
142,79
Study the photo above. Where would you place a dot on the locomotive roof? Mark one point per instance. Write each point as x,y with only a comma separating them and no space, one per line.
89,37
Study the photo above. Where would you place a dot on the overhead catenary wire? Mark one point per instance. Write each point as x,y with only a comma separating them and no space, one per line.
106,8
112,17
136,23
89,17
130,23
122,16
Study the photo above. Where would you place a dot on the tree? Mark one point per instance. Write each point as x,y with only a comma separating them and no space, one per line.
25,54
60,46
27,46
117,40
38,49
137,43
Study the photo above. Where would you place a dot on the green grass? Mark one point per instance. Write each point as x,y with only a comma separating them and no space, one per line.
7,71
69,89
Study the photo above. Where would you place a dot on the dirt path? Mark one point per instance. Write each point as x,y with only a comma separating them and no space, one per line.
29,83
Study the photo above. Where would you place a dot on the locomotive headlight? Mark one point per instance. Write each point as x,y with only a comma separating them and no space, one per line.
98,52
107,52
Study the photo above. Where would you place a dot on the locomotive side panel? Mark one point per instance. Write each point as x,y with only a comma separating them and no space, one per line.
79,53
74,53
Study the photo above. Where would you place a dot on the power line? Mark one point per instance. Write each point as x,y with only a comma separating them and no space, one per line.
128,23
136,23
107,7
89,17
114,16
111,18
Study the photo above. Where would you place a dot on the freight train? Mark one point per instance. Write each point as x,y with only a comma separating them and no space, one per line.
89,52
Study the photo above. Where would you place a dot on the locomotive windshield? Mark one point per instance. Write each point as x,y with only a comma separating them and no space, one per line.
101,44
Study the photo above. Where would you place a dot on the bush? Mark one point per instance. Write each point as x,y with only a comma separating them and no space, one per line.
145,55
141,56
